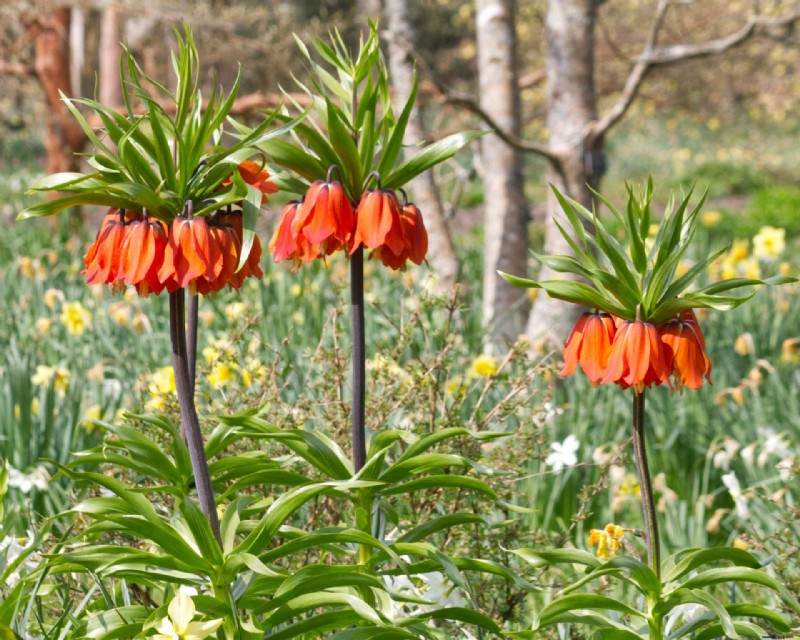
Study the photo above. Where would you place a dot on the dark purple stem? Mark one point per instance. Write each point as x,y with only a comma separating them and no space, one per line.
359,358
189,422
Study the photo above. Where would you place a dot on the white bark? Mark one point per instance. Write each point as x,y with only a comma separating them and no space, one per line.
506,218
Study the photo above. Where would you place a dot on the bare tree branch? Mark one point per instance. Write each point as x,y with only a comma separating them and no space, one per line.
471,105
653,56
755,25
599,127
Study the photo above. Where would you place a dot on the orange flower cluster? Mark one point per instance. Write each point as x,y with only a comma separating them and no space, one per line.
637,354
199,253
325,221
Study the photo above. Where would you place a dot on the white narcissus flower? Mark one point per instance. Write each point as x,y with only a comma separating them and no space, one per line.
179,625
564,453
25,482
731,482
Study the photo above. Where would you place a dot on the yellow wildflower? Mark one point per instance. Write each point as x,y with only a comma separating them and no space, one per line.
740,543
769,242
235,310
35,406
750,268
45,375
710,218
221,376
75,318
744,344
738,250
42,326
141,323
295,290
790,350
92,413
533,294
785,268
206,316
608,540
160,387
52,297
483,366
26,267
454,385
119,312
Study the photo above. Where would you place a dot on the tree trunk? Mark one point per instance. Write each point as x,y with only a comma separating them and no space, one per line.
64,135
441,254
506,218
110,89
571,107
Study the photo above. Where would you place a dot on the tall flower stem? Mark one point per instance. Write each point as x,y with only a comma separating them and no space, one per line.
189,421
645,486
191,340
359,358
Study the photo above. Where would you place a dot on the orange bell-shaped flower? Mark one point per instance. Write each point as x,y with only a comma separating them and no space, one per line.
284,245
142,254
589,344
415,238
684,353
637,357
378,224
193,253
102,261
325,218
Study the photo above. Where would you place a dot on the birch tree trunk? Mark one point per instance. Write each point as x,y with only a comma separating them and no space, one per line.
506,218
441,254
571,109
110,89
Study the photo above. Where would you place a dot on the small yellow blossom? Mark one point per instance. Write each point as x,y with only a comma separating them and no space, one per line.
45,375
744,344
75,318
454,385
769,243
710,218
739,543
42,327
483,366
629,486
750,268
53,297
141,323
120,312
790,350
533,294
218,349
785,268
221,376
296,290
738,250
27,267
683,267
35,406
206,316
298,318
160,387
92,413
608,540
235,310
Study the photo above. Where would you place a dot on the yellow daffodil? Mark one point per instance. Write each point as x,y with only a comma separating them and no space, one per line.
710,218
608,540
738,250
744,345
52,297
179,626
790,350
769,243
56,375
75,318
